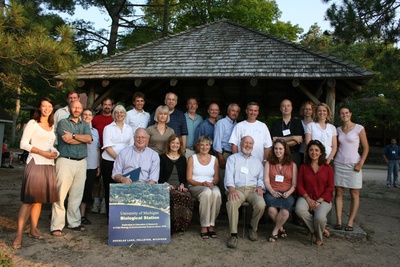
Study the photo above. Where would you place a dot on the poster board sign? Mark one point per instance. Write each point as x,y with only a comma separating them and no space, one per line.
139,214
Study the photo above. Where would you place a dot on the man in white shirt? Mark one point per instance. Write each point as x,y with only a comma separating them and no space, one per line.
244,182
254,128
137,117
63,113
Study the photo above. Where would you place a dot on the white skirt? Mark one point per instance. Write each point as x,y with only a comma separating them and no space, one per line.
346,177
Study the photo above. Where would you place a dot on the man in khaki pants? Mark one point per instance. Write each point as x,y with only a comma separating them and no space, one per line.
244,182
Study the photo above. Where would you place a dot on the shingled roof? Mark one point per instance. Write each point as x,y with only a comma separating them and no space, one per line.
227,52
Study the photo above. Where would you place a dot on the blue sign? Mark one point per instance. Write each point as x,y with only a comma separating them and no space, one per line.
139,214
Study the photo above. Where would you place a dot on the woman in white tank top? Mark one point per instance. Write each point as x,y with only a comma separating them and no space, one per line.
202,177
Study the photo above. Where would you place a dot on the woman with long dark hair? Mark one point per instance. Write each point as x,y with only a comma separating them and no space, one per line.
39,184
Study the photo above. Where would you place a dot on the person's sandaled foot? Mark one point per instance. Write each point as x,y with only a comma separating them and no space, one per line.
85,221
282,233
326,233
273,238
204,235
349,228
57,233
319,242
338,226
80,228
213,234
39,237
16,245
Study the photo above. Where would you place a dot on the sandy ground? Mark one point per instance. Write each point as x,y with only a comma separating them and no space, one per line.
378,216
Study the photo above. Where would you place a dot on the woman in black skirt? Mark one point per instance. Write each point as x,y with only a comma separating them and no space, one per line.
39,184
280,179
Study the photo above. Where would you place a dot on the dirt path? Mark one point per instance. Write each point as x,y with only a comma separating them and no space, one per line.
378,216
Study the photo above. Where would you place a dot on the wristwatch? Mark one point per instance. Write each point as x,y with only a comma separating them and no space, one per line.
319,201
73,136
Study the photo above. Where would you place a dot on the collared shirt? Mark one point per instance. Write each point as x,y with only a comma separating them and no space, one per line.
392,152
99,122
116,138
205,128
222,132
177,122
74,151
192,126
129,159
137,119
241,171
295,126
93,150
60,114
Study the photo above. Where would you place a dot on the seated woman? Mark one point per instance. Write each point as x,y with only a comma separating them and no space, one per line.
280,179
173,172
202,177
315,190
159,132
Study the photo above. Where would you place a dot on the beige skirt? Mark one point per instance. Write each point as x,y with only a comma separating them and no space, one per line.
346,177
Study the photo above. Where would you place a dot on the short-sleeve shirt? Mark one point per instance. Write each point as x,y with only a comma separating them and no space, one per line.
324,136
74,151
348,145
295,126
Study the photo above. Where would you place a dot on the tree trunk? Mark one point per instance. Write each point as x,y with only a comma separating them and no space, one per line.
16,115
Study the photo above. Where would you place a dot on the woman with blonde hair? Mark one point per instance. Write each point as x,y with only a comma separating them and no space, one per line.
159,132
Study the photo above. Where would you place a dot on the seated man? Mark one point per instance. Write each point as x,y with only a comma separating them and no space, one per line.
244,182
133,157
6,154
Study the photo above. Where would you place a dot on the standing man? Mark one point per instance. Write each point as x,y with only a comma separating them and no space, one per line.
254,128
137,117
63,113
133,157
177,120
193,120
391,154
99,122
244,182
289,129
206,127
73,136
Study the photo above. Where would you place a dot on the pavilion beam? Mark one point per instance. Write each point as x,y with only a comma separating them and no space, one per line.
331,95
297,84
103,96
90,96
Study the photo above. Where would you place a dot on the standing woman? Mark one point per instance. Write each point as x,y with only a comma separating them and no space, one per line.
280,179
39,184
307,111
202,177
173,172
348,164
315,190
322,129
160,132
116,136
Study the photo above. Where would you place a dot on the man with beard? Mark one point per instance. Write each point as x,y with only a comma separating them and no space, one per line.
244,182
73,136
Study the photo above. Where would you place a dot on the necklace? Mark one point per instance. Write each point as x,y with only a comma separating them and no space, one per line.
204,159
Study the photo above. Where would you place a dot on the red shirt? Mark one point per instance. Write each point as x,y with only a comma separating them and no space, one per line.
316,185
99,122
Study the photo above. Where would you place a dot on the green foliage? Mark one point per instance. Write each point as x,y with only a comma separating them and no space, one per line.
5,260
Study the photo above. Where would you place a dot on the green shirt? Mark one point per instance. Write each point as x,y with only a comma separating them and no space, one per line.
67,150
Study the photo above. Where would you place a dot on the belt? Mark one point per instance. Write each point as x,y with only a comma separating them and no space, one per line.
226,151
74,158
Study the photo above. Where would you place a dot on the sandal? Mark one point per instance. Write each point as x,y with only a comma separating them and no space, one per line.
338,226
319,242
85,221
57,233
212,234
16,245
273,238
326,233
282,233
39,237
349,228
80,228
204,235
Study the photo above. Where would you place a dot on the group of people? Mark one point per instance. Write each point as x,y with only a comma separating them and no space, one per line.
219,163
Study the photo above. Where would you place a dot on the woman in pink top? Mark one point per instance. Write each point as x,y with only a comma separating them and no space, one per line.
348,164
280,179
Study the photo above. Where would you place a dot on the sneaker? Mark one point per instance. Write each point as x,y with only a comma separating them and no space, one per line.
252,234
233,242
95,207
396,186
388,186
103,209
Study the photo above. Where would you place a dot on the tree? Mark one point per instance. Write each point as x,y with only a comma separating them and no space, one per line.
31,55
369,20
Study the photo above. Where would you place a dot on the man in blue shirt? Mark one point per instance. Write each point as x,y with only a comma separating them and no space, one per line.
192,121
206,127
244,181
391,154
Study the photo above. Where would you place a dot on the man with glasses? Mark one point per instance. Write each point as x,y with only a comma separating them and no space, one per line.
290,130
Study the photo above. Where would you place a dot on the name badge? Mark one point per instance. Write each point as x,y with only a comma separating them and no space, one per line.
244,170
279,178
393,152
286,132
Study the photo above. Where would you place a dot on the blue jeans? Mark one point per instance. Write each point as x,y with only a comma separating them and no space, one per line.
393,166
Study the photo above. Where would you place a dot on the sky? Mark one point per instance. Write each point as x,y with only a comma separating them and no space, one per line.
302,12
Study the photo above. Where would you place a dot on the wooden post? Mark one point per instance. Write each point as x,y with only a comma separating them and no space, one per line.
90,96
331,96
